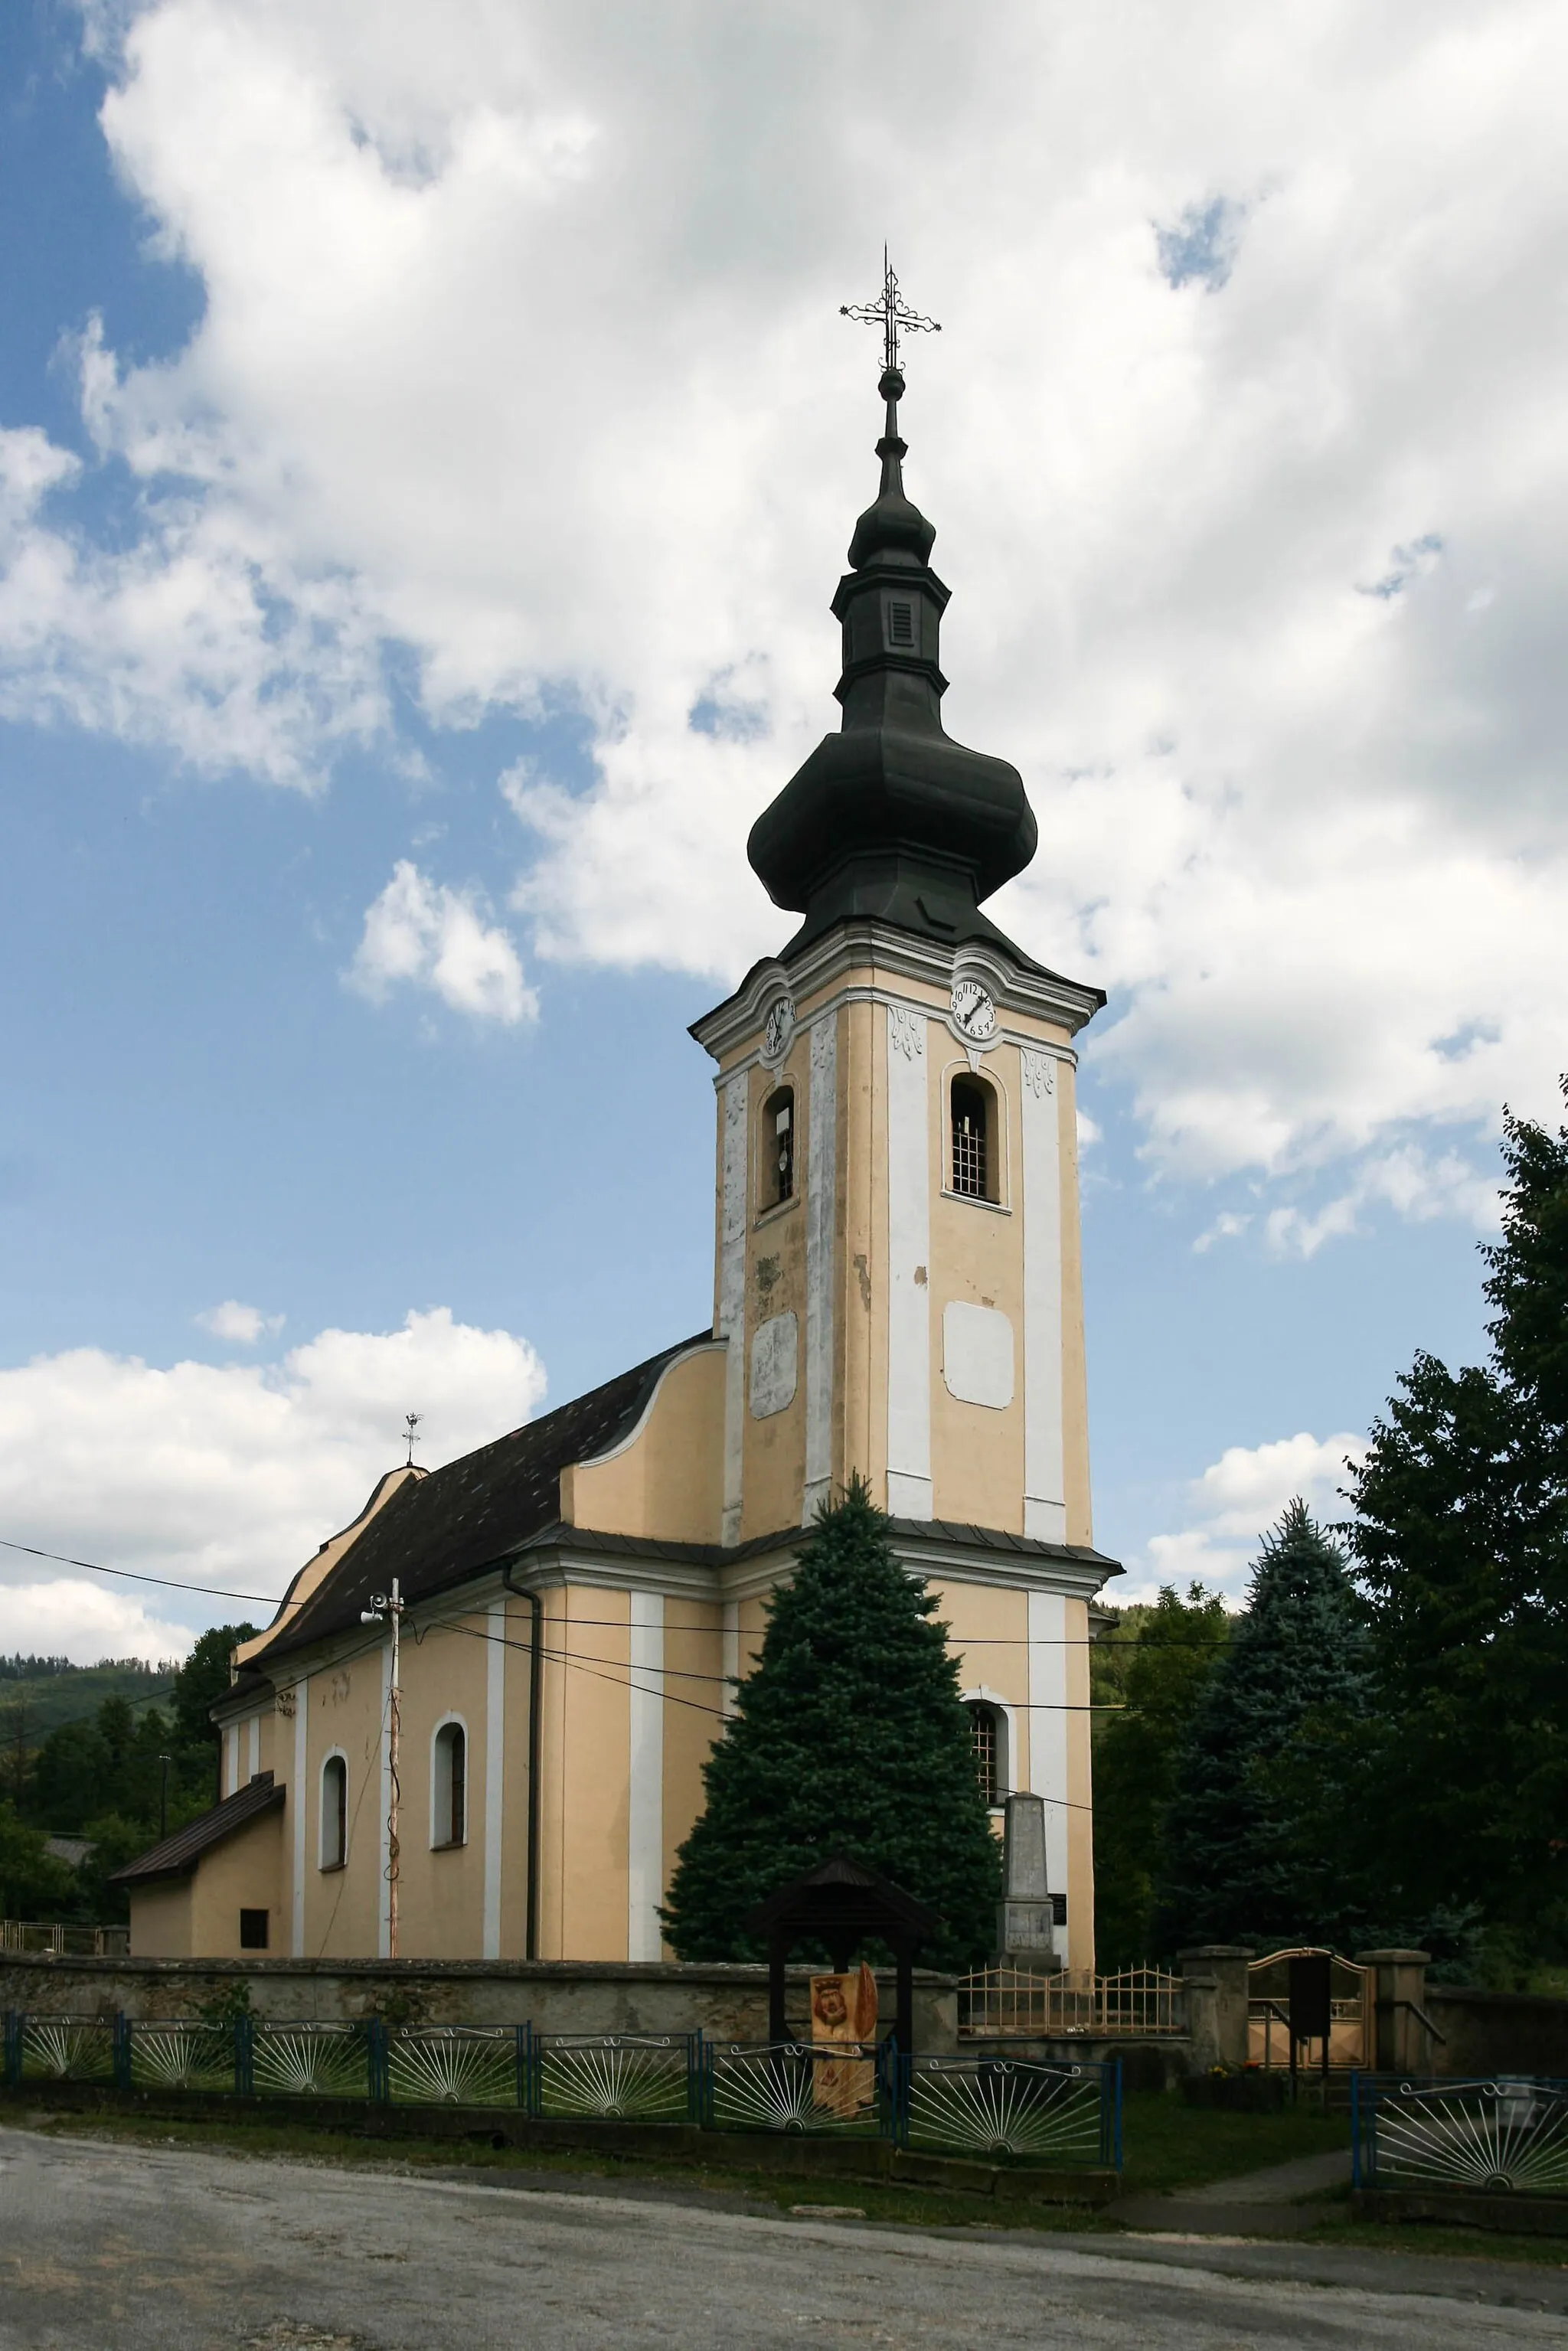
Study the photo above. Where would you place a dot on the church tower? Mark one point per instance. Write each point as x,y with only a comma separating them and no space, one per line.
897,1293
898,1273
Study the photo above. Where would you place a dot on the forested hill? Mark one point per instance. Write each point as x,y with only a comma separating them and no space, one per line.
38,1693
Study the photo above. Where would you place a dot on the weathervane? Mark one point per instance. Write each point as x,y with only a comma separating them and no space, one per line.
411,1422
890,312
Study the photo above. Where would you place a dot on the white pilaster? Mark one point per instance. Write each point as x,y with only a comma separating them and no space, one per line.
383,1841
253,1755
735,1095
231,1759
821,1170
1045,1489
299,1801
1048,1726
495,1769
645,1809
908,1263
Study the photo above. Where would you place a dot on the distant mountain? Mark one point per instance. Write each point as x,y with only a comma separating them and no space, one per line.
38,1693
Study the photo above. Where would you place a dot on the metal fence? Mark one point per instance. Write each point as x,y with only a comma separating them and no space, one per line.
1010,2003
1507,2136
65,1942
998,2108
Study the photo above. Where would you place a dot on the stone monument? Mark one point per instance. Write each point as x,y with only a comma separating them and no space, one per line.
1024,1915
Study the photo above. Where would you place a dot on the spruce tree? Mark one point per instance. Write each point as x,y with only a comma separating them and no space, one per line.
1240,1863
848,1735
1461,1541
1172,1650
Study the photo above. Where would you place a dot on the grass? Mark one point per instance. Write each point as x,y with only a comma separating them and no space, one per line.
1167,2145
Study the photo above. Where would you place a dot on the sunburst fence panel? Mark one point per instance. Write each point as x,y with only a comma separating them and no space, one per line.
1001,2108
310,2059
850,2090
643,2077
61,2048
1504,2134
456,2066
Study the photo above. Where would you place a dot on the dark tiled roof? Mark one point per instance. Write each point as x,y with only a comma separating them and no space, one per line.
437,1531
174,1855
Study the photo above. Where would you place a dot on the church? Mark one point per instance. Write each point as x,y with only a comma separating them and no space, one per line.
553,1625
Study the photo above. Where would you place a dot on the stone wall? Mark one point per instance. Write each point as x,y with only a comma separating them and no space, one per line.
1497,2031
728,2004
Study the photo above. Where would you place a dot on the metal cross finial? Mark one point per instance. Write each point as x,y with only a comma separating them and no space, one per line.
411,1422
890,312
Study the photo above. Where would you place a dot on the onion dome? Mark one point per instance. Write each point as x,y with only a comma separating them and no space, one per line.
890,817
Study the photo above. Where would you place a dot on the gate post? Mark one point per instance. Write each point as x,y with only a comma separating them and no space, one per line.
1399,1990
1214,1977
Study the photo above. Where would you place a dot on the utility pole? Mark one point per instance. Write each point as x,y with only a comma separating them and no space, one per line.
388,1607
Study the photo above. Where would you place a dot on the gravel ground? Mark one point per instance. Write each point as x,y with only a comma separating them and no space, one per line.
188,2250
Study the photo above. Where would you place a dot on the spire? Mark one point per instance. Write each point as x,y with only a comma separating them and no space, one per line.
890,817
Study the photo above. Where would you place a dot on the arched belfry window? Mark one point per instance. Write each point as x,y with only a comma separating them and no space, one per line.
976,1157
449,1786
334,1812
989,1731
777,1147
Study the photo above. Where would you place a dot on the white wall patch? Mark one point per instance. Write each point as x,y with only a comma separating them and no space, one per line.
775,1353
977,1354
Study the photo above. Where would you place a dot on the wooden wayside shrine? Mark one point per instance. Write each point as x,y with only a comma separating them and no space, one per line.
843,1904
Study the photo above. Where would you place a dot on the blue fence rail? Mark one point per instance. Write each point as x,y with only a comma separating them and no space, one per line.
993,2107
1504,2134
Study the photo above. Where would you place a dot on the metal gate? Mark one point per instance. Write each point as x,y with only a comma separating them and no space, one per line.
1349,2035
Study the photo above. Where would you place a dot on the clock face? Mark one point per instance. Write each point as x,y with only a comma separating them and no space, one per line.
781,1025
974,1008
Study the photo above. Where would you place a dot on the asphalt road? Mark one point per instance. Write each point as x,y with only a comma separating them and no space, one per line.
133,2246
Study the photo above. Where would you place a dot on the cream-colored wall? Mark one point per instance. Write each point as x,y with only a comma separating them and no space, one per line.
773,1473
344,1712
694,1663
440,1894
244,1872
587,1774
161,1920
668,1483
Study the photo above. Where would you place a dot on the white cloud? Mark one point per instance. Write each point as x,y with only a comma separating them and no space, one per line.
226,1475
424,935
244,1325
72,1618
520,353
1235,1502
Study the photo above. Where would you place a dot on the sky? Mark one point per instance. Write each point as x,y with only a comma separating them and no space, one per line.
429,441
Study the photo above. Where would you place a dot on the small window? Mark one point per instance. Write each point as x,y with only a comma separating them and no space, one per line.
988,1729
252,1930
974,1116
900,623
449,1794
334,1813
779,1147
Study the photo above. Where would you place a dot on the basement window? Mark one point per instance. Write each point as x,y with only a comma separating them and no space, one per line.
252,1930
